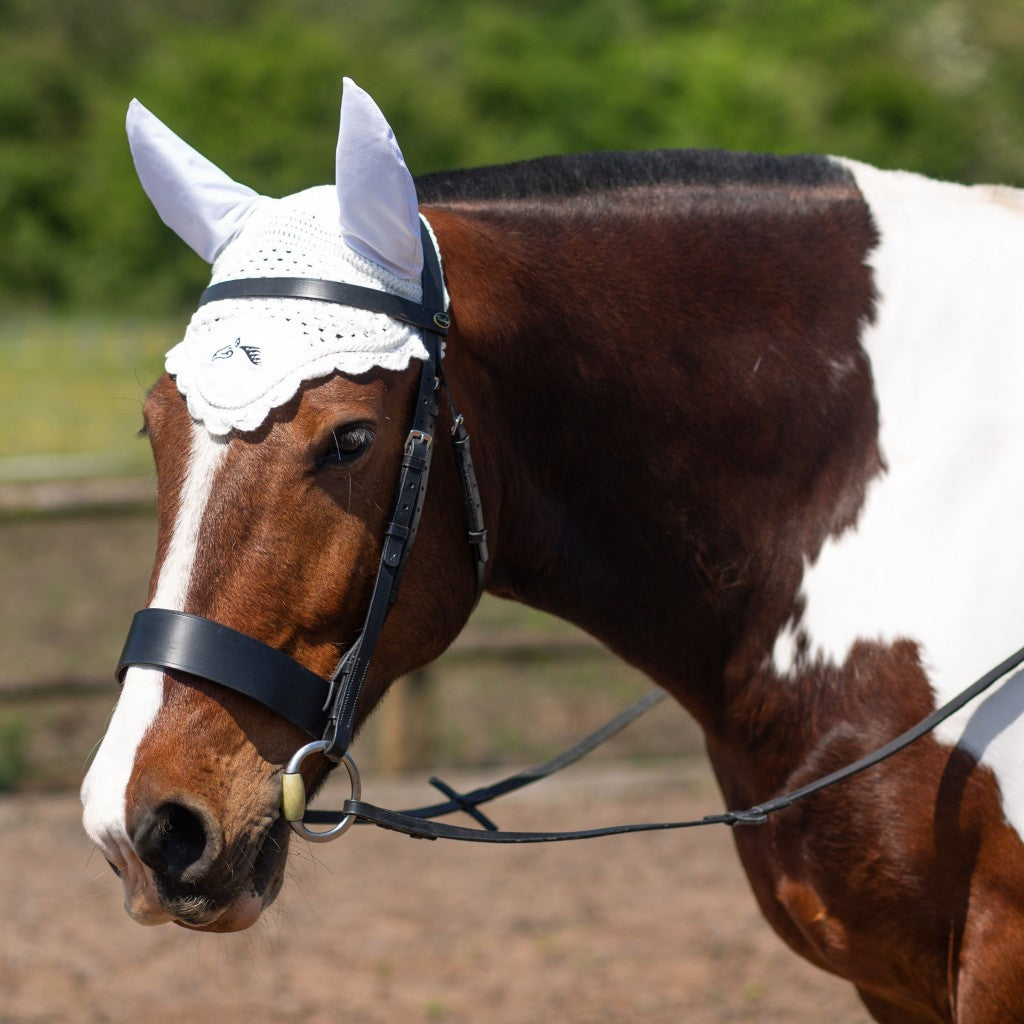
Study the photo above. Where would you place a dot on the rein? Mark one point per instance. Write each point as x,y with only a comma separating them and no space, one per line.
167,639
418,823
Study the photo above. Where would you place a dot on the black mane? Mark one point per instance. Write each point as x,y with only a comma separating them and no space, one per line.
596,172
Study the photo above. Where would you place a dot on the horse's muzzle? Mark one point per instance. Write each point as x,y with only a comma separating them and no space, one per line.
194,877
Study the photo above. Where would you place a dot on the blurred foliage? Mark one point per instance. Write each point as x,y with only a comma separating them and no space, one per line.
930,85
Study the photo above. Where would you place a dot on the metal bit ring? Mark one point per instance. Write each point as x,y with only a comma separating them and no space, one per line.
293,795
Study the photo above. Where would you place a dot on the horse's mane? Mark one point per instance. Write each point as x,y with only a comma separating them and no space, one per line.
586,173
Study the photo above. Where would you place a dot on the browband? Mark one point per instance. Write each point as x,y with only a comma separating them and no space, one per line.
354,295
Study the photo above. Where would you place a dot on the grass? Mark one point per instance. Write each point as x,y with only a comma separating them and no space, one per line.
72,393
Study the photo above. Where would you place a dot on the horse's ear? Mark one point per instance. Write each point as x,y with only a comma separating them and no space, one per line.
376,195
194,197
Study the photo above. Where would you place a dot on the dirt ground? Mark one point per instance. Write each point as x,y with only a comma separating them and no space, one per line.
378,929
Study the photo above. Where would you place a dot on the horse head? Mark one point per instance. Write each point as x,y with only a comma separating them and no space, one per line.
277,434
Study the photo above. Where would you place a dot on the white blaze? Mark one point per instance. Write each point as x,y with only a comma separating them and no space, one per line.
937,555
103,791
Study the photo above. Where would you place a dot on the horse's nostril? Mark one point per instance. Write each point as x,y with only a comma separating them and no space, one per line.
173,839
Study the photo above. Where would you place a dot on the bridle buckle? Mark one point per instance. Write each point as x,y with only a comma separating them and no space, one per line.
417,437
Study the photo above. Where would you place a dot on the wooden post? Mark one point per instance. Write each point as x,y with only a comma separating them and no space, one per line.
405,729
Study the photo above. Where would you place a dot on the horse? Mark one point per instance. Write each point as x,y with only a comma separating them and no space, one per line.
751,421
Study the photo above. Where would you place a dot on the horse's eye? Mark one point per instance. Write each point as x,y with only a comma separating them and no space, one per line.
345,446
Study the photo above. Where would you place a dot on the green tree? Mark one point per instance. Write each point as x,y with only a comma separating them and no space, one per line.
929,85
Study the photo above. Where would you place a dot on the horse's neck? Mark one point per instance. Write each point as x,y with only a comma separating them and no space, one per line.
670,417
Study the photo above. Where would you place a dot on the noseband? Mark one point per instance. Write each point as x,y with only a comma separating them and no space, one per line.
326,709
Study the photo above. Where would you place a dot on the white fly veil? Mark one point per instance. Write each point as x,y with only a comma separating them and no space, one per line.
242,357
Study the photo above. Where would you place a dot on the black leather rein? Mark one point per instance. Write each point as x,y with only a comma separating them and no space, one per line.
418,824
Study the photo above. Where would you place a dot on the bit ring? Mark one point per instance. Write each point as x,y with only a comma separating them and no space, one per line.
293,794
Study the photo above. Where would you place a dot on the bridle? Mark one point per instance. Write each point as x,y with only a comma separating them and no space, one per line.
326,709
188,643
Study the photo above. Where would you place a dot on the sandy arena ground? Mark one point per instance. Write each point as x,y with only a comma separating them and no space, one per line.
378,929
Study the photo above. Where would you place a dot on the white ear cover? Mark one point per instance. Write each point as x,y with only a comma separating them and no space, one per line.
379,212
194,198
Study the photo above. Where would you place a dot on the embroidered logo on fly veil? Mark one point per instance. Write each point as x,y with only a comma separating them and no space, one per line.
251,351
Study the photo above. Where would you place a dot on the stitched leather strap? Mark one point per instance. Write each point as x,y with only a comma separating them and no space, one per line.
423,828
471,801
350,674
477,532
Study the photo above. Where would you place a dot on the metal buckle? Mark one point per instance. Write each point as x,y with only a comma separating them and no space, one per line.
418,437
293,794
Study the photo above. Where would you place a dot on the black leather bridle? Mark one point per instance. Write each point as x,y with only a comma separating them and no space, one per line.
326,709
